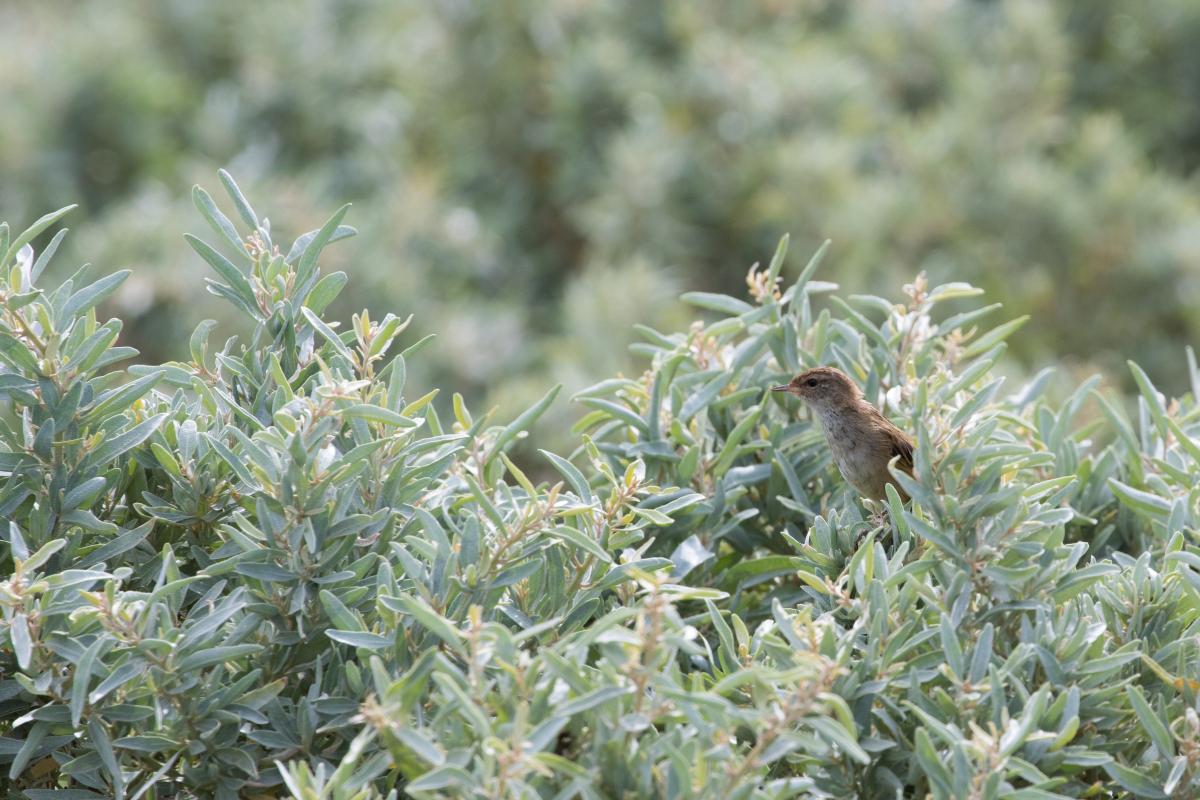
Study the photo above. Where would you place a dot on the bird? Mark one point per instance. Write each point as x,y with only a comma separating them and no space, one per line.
861,439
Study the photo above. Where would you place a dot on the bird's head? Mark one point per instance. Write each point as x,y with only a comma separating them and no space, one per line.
822,387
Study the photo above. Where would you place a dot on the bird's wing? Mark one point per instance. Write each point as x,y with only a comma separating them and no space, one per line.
901,444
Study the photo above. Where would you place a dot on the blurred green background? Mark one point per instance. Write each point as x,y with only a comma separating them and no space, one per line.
533,177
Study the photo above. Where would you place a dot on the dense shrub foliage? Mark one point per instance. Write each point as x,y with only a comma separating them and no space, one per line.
549,172
276,568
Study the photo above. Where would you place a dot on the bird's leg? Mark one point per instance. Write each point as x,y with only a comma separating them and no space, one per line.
878,513
876,521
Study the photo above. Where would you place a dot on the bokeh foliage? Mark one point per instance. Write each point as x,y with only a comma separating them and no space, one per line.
274,567
537,176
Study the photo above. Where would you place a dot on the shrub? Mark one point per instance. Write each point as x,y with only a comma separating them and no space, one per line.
275,568
1026,629
191,546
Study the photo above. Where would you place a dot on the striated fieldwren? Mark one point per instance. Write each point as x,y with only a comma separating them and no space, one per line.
861,439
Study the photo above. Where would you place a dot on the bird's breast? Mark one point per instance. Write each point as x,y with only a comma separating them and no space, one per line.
853,453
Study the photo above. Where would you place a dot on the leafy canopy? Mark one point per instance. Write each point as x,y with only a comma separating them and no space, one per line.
276,568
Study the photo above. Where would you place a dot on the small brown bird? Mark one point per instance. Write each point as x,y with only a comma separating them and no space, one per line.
861,439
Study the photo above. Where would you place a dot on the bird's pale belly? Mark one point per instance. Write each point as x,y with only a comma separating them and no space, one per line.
859,468
858,472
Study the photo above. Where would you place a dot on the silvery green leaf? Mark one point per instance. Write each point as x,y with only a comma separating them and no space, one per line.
18,634
689,554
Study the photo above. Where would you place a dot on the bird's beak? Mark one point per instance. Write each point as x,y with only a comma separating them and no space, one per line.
782,388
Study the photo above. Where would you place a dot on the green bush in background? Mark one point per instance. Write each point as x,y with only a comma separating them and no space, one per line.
274,567
536,176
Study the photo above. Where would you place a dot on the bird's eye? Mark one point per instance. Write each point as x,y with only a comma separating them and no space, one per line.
812,381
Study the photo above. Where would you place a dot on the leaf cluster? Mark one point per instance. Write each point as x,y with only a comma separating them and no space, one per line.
275,567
